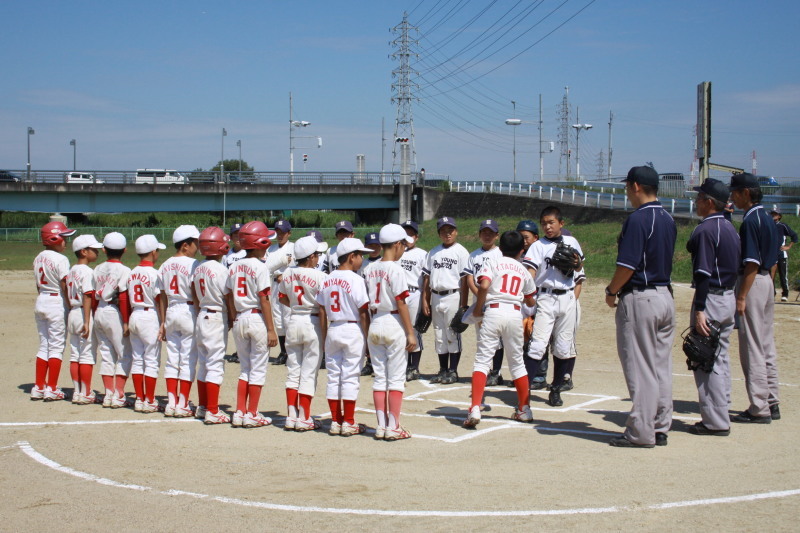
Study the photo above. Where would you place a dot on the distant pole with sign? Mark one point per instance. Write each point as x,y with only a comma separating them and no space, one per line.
704,127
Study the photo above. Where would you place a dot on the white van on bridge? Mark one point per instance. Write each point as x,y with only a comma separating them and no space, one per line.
158,176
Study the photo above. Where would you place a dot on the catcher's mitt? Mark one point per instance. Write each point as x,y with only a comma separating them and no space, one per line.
423,322
456,324
701,351
566,259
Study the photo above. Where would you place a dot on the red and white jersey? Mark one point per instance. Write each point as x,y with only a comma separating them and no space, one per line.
175,278
79,282
110,279
246,280
343,294
538,258
211,285
412,262
386,283
511,281
50,268
445,266
366,264
143,285
301,285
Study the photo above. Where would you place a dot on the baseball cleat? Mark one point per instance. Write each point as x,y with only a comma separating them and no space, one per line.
148,407
494,379
216,418
169,410
700,429
307,425
107,397
138,405
567,385
473,417
352,429
37,394
746,418
237,419
367,370
661,439
538,383
439,377
183,412
335,428
412,374
450,377
281,359
290,424
397,433
255,420
775,411
523,415
622,442
86,399
554,398
51,395
200,412
784,299
117,402
76,397
380,433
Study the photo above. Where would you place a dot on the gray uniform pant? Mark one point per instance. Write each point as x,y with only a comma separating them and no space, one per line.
645,330
757,346
714,388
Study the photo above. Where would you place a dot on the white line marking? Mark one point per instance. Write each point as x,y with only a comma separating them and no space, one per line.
28,450
97,422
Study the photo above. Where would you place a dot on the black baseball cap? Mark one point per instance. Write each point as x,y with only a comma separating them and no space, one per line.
745,180
411,224
528,225
714,189
445,221
643,176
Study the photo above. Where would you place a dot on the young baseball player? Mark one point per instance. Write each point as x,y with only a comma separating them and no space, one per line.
213,322
111,320
503,285
536,379
318,237
391,335
253,329
179,316
488,251
280,313
50,269
412,262
787,238
79,320
344,298
144,326
344,230
556,302
372,242
235,253
305,332
442,297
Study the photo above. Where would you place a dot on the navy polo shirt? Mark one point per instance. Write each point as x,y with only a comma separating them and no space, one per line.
715,249
760,238
646,245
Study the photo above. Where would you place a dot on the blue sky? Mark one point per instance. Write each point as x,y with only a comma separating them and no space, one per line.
151,84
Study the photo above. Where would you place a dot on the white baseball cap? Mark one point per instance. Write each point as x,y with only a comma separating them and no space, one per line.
115,241
85,241
184,232
147,243
305,246
391,233
349,245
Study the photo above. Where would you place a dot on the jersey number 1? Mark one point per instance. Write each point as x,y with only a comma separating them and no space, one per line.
511,288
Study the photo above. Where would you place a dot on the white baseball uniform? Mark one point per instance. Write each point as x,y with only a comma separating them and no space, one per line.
477,259
280,313
343,294
110,279
331,262
412,263
502,316
144,323
229,259
79,283
175,281
211,332
50,268
445,266
386,284
366,264
247,279
556,312
301,286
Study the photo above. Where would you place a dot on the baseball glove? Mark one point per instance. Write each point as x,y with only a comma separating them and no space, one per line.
566,259
423,322
456,324
701,351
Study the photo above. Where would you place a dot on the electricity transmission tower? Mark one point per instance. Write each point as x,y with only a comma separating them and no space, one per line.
403,90
564,132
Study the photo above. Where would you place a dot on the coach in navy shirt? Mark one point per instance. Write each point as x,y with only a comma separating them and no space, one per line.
645,316
755,302
714,246
786,238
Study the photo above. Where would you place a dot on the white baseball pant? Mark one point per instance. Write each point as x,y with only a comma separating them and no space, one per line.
181,348
387,348
211,335
413,302
302,346
145,346
344,348
82,351
51,325
252,345
443,309
556,315
501,327
114,349
280,315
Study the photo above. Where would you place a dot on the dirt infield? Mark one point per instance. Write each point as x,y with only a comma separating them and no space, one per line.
87,468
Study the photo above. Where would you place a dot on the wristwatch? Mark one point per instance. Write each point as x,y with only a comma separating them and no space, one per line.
609,293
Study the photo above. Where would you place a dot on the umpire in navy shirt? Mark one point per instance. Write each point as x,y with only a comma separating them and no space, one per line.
645,316
714,246
755,302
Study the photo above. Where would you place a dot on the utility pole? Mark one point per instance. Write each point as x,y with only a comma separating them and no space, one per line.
610,122
541,156
403,90
564,132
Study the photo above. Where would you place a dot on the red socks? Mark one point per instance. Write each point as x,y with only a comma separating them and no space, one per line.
336,410
108,384
253,396
379,397
41,373
53,369
138,385
185,387
212,397
349,411
241,396
478,387
523,392
149,389
291,397
85,372
202,393
395,404
305,406
172,391
119,385
75,374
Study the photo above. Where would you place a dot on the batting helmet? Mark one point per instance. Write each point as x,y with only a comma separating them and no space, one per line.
255,235
54,232
214,241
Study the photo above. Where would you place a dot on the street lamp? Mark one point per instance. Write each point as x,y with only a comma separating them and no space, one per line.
239,144
578,127
30,132
514,122
222,156
74,145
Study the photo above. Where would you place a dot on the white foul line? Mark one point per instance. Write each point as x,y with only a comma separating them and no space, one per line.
28,450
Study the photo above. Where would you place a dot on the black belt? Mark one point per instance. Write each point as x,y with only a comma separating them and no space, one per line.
444,293
555,291
630,288
719,291
412,289
395,312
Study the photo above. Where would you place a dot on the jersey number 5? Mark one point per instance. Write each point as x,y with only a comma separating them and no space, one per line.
241,287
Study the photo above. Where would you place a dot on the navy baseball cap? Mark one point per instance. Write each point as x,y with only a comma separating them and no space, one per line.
643,176
445,221
528,225
344,225
235,227
745,180
714,189
316,234
372,238
411,224
283,225
489,223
